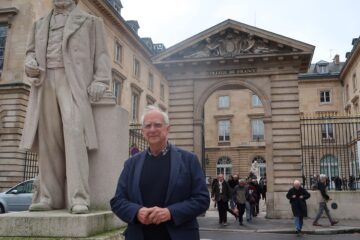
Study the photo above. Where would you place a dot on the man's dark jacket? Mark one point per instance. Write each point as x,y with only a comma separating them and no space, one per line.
187,195
298,205
226,191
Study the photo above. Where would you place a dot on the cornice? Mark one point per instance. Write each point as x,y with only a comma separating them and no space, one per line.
7,14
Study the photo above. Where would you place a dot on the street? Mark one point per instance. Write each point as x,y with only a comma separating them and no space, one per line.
220,235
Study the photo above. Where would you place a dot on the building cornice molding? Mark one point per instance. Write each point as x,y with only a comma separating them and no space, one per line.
7,14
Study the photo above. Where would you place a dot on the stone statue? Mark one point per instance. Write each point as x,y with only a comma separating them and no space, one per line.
210,49
68,65
255,168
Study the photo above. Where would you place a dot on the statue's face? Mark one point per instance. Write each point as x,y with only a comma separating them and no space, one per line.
63,3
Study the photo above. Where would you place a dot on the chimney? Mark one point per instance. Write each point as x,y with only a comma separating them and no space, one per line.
134,25
336,59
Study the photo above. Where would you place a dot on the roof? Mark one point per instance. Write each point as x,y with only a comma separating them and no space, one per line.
323,69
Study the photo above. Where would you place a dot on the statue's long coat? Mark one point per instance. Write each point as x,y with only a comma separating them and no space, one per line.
85,60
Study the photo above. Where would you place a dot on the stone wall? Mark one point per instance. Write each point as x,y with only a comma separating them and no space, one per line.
344,199
13,102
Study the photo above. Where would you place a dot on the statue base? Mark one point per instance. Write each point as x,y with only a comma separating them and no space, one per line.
60,223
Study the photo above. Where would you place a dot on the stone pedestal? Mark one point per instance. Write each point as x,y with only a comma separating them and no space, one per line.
58,223
106,163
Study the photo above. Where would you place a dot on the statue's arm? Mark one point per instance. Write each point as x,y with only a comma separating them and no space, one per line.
31,65
102,65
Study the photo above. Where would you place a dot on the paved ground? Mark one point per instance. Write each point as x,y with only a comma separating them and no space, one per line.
262,225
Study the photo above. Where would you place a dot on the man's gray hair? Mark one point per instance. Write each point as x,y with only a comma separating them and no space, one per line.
323,176
151,108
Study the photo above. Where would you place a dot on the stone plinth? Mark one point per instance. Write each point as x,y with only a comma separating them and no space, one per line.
106,163
57,224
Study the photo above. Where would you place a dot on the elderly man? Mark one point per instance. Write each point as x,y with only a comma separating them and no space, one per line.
297,196
161,190
322,187
221,193
66,62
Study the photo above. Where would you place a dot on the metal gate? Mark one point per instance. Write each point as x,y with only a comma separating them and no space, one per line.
329,145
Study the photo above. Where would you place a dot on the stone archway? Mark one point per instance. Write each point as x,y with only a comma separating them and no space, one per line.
270,69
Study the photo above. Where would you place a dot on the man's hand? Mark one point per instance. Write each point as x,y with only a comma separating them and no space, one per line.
301,196
159,215
294,196
143,215
96,91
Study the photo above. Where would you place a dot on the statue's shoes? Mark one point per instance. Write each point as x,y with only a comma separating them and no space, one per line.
39,207
80,209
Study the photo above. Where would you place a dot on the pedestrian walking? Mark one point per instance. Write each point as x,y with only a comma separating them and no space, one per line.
239,196
221,193
322,187
298,196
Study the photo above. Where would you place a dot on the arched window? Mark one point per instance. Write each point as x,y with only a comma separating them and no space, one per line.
262,166
224,167
329,167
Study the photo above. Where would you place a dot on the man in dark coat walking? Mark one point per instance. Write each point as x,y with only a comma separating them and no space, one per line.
221,193
297,196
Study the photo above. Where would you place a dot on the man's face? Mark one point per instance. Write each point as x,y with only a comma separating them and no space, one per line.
220,178
63,3
154,129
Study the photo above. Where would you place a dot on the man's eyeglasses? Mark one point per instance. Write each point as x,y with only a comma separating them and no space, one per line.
155,125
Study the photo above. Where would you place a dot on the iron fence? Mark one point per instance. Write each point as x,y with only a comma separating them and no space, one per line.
329,145
31,169
137,141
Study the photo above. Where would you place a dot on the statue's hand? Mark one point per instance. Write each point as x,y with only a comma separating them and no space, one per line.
32,69
96,91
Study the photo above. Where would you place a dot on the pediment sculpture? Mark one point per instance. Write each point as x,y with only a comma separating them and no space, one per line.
229,44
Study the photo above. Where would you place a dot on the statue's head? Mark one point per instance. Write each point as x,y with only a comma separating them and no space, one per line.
63,3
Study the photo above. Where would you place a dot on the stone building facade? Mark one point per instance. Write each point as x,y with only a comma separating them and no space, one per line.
136,81
235,94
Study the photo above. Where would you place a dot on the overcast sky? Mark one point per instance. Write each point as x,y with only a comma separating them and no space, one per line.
329,25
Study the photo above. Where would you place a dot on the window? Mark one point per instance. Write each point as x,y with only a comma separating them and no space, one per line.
329,167
3,34
224,102
347,92
257,129
118,52
325,96
255,101
134,107
224,167
354,82
136,68
151,82
322,68
327,131
162,91
117,86
261,165
224,130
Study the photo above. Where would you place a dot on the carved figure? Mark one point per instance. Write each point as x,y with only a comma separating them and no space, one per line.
66,62
210,49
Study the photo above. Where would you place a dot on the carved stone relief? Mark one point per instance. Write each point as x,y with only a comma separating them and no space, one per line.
230,43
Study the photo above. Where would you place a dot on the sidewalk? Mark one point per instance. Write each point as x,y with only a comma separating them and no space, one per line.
260,224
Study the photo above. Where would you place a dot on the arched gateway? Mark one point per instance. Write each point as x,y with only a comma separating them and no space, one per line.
232,55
